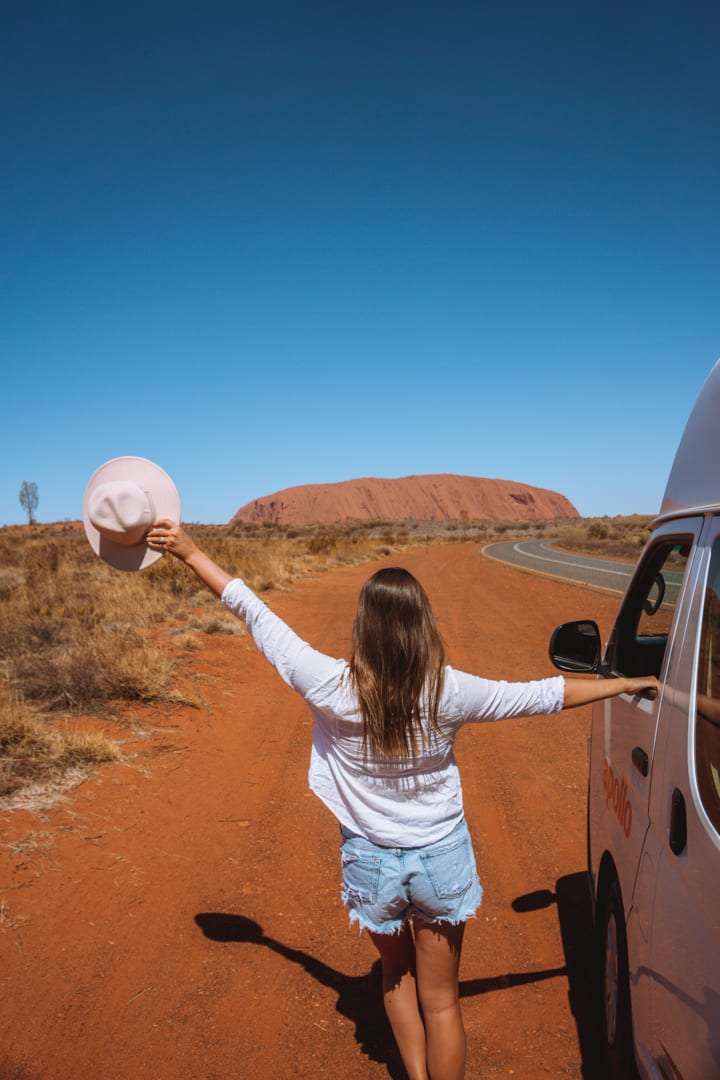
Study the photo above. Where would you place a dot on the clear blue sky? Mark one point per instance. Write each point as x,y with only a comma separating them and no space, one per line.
275,244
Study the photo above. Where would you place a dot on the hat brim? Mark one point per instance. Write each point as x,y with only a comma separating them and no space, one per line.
148,476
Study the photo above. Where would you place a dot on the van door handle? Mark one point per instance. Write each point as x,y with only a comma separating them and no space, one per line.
640,760
678,823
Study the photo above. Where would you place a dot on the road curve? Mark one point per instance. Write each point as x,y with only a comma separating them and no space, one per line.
540,558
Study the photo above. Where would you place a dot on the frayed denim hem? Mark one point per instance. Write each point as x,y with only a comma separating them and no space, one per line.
357,918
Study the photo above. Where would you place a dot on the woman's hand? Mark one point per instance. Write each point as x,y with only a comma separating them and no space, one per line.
647,685
586,691
167,536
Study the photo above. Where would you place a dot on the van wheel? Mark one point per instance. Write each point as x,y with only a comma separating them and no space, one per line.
615,986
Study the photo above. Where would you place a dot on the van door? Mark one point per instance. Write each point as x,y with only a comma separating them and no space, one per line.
683,971
624,729
623,735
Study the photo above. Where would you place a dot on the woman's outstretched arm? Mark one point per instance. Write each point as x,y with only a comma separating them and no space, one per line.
301,666
586,691
168,536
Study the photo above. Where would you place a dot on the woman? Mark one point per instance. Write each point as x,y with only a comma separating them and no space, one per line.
382,761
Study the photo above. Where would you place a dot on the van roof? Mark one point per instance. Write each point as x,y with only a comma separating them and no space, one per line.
694,481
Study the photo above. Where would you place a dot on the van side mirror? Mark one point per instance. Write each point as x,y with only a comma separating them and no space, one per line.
575,646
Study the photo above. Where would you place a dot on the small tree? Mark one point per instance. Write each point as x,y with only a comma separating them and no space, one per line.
29,500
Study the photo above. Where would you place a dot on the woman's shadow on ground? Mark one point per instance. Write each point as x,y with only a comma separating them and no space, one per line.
359,997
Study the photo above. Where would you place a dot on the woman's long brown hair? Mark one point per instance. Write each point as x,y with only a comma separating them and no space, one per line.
396,663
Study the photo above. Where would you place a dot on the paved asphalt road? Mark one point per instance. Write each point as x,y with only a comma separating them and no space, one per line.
539,556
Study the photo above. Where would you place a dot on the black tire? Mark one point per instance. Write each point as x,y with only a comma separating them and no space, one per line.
614,986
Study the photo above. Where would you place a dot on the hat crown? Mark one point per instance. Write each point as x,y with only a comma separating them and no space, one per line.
121,511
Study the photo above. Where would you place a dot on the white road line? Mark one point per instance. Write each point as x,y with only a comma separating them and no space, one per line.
566,562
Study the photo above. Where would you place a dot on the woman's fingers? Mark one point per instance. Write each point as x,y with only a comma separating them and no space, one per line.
167,536
162,535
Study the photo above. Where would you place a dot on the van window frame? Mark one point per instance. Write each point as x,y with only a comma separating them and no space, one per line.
650,652
699,720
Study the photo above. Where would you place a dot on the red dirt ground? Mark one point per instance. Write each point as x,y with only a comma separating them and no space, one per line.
179,917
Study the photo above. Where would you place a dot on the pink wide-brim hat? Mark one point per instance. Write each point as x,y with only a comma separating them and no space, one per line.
122,500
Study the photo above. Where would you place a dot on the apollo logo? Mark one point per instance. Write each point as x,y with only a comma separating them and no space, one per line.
616,795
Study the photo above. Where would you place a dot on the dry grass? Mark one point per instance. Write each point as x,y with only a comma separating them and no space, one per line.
33,750
77,637
612,538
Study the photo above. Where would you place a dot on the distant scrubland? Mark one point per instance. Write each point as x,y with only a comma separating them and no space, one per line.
78,640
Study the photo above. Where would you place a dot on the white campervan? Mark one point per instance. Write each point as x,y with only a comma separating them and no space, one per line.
654,787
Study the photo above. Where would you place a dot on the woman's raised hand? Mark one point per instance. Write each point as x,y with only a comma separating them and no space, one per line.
168,536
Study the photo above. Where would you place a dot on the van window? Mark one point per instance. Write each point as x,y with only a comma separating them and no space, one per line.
640,636
707,724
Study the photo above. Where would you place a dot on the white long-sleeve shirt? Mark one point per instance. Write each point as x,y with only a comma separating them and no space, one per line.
396,801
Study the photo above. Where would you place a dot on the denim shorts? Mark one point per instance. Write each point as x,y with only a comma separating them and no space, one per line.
382,887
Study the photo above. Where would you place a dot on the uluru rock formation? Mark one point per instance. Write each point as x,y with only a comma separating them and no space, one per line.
440,497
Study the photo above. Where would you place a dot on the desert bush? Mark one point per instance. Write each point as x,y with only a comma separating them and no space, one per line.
72,637
11,579
323,542
619,538
217,624
41,560
85,671
186,639
31,749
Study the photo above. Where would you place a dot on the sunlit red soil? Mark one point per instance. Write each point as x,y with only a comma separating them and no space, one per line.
180,916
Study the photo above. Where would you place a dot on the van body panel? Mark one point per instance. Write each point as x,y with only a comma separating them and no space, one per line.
619,794
683,965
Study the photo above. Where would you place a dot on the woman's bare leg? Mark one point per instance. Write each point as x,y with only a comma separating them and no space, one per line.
397,953
437,953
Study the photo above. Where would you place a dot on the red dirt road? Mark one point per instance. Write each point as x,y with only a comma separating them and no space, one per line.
179,917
